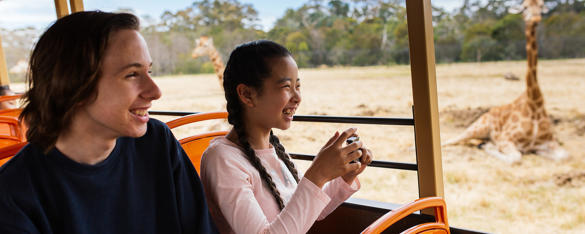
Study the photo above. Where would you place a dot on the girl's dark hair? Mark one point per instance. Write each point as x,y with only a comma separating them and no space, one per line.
249,64
65,67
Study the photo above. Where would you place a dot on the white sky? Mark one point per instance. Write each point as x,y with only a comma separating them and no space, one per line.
40,13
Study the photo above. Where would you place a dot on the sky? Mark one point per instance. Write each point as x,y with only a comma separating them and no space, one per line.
40,13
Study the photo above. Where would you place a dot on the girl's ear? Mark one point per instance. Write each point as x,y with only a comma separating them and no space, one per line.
246,95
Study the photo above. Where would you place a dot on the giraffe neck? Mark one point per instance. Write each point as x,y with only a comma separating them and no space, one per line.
217,62
532,89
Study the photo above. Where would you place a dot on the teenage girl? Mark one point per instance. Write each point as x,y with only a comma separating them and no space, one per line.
250,182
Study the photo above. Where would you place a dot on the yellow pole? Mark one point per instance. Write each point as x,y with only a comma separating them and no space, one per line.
424,90
61,8
4,80
76,5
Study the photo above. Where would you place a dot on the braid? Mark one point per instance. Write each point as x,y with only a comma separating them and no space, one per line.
283,156
248,65
236,120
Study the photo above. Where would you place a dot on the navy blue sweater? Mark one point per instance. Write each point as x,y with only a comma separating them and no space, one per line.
146,185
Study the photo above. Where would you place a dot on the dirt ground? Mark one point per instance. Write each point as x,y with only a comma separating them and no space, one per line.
482,193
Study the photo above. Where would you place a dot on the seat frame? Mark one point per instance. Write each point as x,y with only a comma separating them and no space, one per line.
195,145
441,224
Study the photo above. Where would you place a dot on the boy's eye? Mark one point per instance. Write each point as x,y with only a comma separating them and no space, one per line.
132,74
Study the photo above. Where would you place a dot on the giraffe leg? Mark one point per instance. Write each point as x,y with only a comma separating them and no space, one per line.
552,150
478,129
505,151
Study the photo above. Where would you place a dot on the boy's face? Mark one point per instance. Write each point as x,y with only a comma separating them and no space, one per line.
125,90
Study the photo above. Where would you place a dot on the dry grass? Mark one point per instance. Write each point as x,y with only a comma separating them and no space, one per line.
482,193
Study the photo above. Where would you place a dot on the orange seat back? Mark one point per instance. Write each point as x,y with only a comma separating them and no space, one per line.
11,129
10,97
439,226
11,112
8,151
195,145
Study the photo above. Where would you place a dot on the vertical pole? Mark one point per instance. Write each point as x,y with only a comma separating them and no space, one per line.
4,80
424,90
61,8
76,5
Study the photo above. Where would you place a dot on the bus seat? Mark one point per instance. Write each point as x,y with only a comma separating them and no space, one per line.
10,130
10,97
440,226
8,151
195,145
11,112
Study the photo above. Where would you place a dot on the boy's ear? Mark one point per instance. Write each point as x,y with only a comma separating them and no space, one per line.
246,95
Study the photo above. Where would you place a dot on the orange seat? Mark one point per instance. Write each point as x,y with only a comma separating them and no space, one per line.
10,130
440,226
195,145
11,112
7,128
7,152
9,97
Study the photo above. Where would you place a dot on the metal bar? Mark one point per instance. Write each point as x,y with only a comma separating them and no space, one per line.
76,5
172,113
375,163
424,90
4,79
62,8
316,118
354,120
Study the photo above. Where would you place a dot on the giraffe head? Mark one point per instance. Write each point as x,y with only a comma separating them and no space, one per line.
532,10
204,45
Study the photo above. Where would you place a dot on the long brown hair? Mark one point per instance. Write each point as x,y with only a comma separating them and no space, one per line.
248,65
65,67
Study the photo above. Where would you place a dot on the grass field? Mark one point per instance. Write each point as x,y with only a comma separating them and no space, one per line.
482,193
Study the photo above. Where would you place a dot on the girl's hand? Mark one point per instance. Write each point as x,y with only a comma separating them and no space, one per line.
366,159
333,159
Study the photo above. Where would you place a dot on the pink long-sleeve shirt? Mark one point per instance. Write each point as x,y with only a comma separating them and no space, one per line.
240,202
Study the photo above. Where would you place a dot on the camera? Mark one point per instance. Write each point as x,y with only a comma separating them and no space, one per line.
350,140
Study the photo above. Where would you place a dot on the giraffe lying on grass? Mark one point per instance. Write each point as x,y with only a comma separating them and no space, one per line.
522,126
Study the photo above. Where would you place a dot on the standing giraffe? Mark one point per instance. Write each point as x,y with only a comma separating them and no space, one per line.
522,126
205,47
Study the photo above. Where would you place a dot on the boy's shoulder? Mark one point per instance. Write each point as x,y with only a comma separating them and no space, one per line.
156,124
15,173
156,129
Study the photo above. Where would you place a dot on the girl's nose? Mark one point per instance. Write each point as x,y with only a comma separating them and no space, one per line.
296,96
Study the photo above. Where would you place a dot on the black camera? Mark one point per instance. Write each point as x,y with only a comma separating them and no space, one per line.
350,140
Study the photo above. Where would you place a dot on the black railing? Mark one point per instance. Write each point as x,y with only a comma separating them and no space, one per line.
319,118
334,119
375,163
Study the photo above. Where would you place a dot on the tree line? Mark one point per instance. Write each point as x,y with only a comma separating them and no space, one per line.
363,32
366,32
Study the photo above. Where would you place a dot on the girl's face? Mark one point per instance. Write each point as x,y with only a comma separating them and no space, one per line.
275,105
